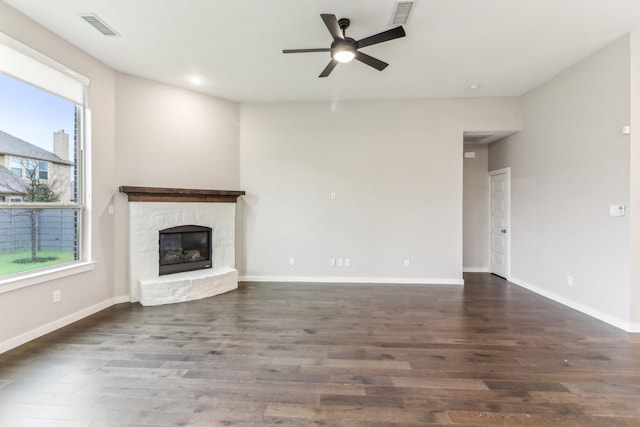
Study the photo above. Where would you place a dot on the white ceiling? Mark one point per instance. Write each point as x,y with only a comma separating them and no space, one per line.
506,46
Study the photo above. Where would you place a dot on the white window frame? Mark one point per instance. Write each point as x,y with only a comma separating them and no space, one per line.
13,160
30,173
26,64
40,169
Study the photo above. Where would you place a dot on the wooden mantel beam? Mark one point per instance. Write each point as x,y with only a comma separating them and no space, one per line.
159,194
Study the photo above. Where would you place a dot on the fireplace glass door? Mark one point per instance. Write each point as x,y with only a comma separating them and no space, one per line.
185,248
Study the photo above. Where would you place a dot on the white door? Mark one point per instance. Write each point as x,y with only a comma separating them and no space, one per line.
499,251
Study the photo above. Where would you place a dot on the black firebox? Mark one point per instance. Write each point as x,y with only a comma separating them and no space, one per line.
185,248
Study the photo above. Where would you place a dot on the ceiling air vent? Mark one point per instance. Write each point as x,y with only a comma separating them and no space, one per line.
96,22
401,12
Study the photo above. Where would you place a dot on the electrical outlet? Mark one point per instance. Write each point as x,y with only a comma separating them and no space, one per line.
340,262
333,196
347,262
292,261
332,262
570,280
57,295
407,263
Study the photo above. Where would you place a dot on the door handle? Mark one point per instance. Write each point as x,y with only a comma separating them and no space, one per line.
503,231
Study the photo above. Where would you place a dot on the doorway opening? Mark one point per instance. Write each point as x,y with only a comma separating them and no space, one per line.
478,229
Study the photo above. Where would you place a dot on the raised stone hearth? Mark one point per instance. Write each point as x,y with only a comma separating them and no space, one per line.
154,209
187,286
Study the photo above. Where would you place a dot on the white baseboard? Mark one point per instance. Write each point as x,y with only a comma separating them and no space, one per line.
121,299
613,321
634,328
57,324
332,279
475,269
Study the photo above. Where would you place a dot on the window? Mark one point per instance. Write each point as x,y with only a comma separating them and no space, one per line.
42,122
43,170
30,168
16,166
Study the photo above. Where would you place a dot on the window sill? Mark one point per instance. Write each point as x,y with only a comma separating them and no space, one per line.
20,281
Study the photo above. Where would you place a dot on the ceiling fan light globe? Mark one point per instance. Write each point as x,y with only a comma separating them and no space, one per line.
344,56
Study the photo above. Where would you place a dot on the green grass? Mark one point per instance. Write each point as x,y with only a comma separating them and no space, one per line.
8,266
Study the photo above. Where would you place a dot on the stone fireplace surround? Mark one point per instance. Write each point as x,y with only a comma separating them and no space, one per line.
152,209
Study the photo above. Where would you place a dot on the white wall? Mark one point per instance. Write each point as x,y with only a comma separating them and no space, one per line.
475,205
396,169
171,137
30,311
568,165
634,164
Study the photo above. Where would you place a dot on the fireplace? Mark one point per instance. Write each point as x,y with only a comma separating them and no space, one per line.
184,248
166,212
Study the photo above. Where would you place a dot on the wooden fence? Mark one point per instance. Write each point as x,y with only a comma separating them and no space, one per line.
56,229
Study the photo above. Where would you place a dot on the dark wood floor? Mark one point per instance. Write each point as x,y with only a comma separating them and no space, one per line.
330,355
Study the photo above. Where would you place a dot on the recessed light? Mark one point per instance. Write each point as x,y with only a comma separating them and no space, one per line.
474,87
196,80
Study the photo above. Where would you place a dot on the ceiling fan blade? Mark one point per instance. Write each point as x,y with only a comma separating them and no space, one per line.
329,68
332,25
394,33
371,61
320,49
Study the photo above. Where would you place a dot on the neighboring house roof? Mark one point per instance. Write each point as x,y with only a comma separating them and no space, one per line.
9,183
13,146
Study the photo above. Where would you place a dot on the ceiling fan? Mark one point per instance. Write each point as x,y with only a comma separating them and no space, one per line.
344,49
